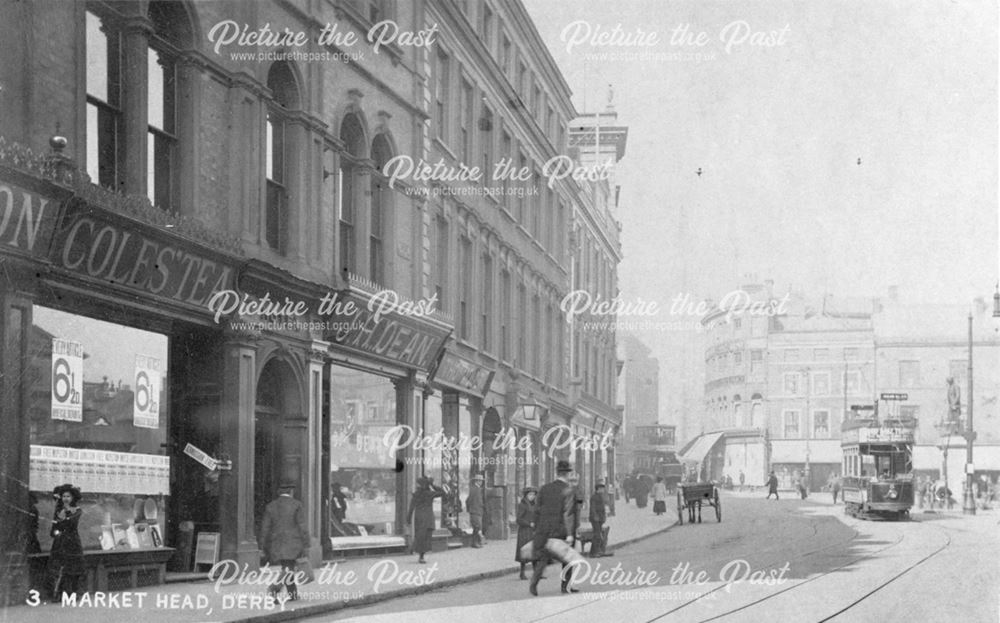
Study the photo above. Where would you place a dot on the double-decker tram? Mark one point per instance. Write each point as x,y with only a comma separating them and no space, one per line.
878,468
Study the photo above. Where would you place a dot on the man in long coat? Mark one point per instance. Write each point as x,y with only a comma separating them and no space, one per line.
554,516
284,536
474,504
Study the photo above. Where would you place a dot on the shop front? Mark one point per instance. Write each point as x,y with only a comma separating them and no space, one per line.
455,408
94,300
376,401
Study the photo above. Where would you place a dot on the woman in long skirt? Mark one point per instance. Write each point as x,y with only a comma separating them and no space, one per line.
66,556
659,496
525,525
421,512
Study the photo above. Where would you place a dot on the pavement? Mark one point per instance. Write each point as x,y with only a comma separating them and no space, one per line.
346,584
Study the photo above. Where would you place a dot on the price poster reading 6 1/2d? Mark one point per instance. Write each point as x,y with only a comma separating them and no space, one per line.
67,380
146,405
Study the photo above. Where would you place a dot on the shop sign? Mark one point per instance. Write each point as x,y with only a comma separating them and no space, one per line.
201,456
27,220
98,248
99,471
400,339
146,405
67,380
463,374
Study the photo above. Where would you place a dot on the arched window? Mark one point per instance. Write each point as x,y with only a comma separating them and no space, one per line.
381,205
285,94
756,411
353,135
135,153
737,412
171,32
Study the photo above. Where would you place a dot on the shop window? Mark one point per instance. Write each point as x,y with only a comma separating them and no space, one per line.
360,408
281,81
104,115
97,406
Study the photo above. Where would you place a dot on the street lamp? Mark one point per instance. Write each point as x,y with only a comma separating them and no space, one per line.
969,501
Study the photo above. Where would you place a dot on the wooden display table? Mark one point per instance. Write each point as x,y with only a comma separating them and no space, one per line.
118,569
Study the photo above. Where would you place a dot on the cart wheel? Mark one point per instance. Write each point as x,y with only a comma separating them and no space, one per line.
680,507
718,506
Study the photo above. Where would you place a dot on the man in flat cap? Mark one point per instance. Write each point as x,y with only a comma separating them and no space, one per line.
554,516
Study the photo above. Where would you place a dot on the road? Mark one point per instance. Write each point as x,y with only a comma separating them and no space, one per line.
767,560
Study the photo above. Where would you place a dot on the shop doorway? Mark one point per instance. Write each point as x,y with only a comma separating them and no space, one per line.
277,455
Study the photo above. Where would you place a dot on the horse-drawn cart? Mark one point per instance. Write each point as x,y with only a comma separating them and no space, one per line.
692,496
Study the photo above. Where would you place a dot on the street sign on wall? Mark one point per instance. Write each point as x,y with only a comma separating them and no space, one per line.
895,396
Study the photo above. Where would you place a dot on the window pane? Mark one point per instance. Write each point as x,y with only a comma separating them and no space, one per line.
97,59
155,90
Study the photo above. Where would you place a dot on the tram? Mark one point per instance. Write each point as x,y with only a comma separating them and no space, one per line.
878,468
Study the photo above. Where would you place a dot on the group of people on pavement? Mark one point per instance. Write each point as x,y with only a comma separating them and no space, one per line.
553,512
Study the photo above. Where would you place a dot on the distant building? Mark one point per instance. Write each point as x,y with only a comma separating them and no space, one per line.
639,383
918,348
780,375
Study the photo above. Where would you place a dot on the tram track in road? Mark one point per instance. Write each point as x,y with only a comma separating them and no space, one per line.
813,525
799,585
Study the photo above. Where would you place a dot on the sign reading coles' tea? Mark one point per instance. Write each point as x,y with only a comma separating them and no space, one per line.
93,245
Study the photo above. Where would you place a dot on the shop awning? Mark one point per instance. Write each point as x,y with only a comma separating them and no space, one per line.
794,451
696,452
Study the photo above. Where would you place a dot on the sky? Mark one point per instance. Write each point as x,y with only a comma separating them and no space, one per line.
909,88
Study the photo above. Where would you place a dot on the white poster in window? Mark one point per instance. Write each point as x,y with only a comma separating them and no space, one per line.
146,403
67,380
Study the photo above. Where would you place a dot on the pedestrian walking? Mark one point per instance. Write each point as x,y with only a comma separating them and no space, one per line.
66,571
743,479
772,486
598,516
284,537
574,481
642,488
474,504
553,520
421,513
835,487
659,496
525,525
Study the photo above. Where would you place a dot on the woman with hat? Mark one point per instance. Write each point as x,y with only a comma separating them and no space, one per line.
475,504
66,556
525,525
421,513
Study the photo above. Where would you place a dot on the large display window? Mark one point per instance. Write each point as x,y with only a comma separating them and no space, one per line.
362,411
98,420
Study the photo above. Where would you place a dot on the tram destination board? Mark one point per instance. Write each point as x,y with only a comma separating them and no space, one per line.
895,396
